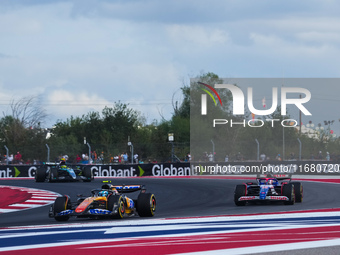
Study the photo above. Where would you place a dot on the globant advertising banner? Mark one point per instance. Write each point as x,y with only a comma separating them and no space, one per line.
132,170
190,169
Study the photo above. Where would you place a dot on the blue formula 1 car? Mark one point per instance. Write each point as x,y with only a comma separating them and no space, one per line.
269,189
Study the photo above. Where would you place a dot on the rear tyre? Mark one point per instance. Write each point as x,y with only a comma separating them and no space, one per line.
240,191
146,205
40,174
288,191
117,206
87,174
298,189
61,204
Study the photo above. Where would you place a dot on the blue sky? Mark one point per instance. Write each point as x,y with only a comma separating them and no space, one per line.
82,55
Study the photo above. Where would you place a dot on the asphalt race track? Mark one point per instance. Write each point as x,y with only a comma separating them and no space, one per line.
176,197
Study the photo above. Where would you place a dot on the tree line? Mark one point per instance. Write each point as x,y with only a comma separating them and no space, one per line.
107,133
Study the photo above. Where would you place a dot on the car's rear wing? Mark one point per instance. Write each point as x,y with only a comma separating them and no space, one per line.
128,188
279,177
123,188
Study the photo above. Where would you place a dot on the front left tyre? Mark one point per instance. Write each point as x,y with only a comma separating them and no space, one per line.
116,204
288,191
240,191
87,174
61,204
40,174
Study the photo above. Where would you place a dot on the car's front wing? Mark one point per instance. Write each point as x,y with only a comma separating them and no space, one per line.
70,178
271,198
91,212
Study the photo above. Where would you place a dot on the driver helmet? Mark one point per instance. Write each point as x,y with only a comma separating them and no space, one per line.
62,161
270,182
103,193
63,166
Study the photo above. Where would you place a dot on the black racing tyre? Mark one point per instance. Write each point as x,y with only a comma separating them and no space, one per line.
298,189
87,173
116,204
288,191
61,204
53,175
146,205
240,191
40,174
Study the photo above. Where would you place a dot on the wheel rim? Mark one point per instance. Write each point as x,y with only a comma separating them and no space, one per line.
121,209
153,204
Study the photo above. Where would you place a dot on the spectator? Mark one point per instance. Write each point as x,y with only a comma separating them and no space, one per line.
135,157
17,158
116,159
239,156
211,157
125,158
78,159
101,157
94,156
263,157
10,159
226,159
278,157
85,159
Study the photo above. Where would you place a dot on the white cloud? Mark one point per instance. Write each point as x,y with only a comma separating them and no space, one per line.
319,37
64,103
198,35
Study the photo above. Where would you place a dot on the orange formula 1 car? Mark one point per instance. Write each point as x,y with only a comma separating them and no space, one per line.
110,201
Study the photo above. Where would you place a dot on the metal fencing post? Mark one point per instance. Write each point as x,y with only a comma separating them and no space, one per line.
48,153
258,149
213,144
7,154
90,158
300,149
131,145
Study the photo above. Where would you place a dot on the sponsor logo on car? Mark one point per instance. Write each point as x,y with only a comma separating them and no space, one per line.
281,198
99,211
66,212
248,198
